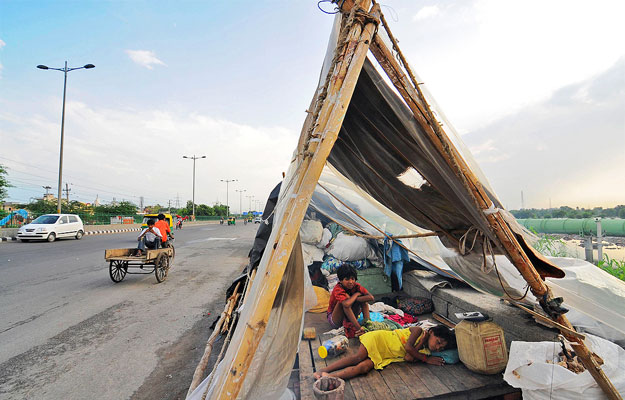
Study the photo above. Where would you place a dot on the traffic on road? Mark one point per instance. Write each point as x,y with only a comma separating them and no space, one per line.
68,331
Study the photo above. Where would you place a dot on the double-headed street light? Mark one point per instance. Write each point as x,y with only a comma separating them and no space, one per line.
250,197
193,201
65,71
240,195
227,204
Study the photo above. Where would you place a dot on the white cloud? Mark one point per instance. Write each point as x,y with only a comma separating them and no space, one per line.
145,58
139,153
484,59
426,12
561,149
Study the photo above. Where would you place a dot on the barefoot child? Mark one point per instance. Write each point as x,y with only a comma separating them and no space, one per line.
380,348
347,300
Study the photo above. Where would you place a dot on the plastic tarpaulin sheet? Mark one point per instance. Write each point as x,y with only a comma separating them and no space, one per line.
532,367
397,173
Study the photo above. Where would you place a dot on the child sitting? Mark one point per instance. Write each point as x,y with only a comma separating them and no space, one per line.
347,300
380,348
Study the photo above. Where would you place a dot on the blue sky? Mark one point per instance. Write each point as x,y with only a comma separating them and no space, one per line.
231,80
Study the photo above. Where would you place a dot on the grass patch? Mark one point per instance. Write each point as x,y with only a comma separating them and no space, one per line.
613,267
550,245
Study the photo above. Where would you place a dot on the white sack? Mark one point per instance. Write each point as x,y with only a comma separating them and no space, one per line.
325,238
311,253
540,380
350,248
310,231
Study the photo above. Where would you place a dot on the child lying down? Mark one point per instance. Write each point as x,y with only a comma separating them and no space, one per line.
380,348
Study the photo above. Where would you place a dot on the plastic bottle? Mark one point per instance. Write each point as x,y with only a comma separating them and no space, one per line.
333,346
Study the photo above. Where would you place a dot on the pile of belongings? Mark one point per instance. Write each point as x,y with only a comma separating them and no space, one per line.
387,315
326,249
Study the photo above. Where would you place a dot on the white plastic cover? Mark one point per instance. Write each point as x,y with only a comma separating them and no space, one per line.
528,369
350,248
310,232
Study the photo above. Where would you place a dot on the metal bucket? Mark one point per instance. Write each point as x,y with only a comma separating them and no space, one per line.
329,388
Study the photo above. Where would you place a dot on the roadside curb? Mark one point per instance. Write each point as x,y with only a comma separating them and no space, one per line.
14,239
112,231
103,232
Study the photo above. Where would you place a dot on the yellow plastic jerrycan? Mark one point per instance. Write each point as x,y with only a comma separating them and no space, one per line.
481,346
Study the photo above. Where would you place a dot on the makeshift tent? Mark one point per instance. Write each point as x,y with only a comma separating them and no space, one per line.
372,128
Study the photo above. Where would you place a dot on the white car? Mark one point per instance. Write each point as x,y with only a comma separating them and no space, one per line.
52,226
258,220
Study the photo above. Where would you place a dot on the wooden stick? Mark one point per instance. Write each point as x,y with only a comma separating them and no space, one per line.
296,195
415,101
392,238
551,322
201,366
448,323
232,301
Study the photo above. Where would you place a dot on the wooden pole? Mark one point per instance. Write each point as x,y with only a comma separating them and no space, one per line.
297,196
550,322
447,151
414,98
201,367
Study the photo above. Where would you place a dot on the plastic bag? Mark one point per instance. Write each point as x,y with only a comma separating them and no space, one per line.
326,236
311,254
310,231
529,370
350,248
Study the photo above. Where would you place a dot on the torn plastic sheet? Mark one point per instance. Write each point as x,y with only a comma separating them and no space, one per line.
532,368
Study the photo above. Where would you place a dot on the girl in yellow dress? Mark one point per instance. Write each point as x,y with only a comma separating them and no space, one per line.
380,348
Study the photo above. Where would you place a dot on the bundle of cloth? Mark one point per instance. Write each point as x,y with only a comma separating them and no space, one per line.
385,317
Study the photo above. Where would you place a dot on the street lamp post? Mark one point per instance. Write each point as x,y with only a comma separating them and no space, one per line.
240,195
250,197
193,201
227,205
65,71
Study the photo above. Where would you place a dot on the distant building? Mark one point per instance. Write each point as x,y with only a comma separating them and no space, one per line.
10,206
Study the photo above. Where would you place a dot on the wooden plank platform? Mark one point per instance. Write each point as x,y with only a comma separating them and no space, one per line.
398,381
126,254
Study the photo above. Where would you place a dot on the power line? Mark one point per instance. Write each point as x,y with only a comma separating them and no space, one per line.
98,190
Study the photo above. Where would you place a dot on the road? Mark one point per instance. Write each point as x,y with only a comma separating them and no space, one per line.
68,332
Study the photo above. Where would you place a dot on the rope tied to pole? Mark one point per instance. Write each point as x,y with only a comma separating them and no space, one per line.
487,250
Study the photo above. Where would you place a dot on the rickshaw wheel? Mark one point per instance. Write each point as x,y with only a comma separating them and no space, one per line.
117,270
161,265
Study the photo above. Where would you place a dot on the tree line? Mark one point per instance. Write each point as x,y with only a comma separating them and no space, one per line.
125,208
569,212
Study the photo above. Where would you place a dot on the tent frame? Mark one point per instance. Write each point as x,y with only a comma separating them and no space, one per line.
319,133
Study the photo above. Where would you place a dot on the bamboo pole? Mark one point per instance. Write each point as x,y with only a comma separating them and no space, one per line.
391,238
235,296
201,367
445,149
412,95
287,228
550,322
